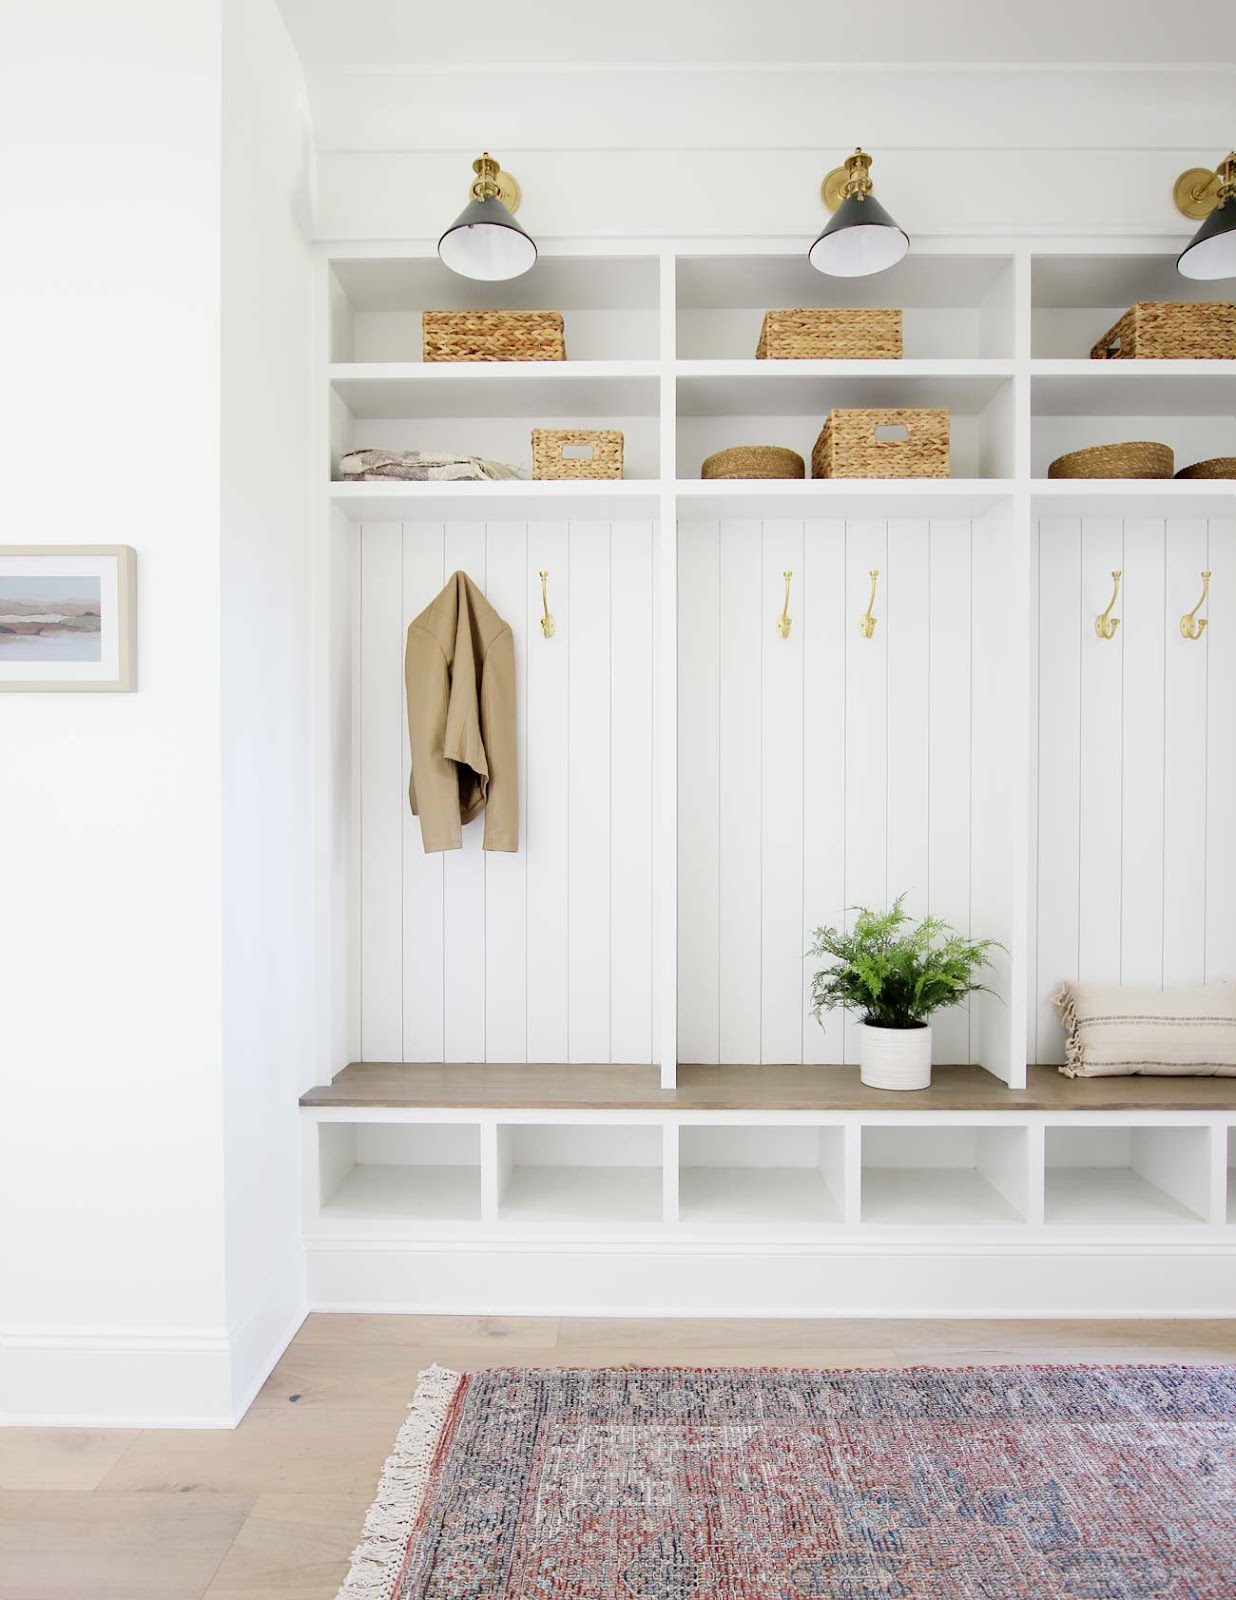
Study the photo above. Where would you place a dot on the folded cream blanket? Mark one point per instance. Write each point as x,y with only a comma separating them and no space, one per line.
422,466
1112,1031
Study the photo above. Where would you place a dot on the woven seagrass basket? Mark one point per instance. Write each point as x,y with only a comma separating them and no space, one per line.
754,461
1216,467
596,453
1163,330
907,443
1138,459
492,336
830,333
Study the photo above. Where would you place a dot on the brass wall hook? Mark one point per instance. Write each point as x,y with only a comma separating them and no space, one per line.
1191,625
1105,624
785,621
547,622
867,622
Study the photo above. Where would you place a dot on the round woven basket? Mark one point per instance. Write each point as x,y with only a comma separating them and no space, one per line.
1138,459
754,461
1216,467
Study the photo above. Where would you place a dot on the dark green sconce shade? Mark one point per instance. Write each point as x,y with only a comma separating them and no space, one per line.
485,241
861,237
1211,253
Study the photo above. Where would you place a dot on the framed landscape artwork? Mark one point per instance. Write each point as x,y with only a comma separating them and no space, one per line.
67,617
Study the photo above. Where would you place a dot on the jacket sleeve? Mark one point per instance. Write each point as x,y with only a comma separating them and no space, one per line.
434,786
498,736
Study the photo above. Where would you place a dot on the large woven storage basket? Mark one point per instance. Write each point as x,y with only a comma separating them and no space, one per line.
598,453
1163,330
830,333
1139,458
754,461
907,443
492,336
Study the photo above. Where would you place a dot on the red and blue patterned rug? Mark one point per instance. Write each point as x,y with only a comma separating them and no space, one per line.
1000,1483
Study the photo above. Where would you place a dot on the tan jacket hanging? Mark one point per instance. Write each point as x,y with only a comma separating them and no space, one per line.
460,675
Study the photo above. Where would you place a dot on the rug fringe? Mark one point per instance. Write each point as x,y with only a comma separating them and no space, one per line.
377,1560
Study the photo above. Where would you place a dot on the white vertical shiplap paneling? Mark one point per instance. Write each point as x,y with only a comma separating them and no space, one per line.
1141,934
1099,697
463,871
699,790
588,806
817,779
1220,898
1135,845
506,874
631,797
382,779
866,724
781,804
823,620
741,789
548,767
1059,767
906,612
949,668
469,954
422,875
1184,758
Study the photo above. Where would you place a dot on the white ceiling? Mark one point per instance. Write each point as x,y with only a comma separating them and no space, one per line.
411,33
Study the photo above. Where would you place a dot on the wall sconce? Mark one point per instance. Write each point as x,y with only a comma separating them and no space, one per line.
861,238
1211,253
485,241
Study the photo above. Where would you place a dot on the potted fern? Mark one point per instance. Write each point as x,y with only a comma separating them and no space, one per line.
894,973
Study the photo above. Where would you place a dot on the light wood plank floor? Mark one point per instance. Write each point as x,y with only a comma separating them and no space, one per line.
271,1510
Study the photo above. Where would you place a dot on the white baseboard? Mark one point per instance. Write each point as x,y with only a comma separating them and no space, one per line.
118,1377
1197,1279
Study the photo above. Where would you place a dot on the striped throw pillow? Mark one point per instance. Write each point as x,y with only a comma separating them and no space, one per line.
1114,1031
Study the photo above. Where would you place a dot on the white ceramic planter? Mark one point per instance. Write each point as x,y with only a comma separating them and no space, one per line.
894,1058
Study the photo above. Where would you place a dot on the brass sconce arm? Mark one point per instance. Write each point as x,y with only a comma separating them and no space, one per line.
1199,190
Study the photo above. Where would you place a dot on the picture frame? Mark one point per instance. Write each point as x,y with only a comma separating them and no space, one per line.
68,618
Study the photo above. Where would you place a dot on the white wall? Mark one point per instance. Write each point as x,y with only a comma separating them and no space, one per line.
109,945
706,151
121,1147
266,683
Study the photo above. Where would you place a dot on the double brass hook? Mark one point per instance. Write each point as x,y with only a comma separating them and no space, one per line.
1191,625
867,622
547,622
785,621
1105,624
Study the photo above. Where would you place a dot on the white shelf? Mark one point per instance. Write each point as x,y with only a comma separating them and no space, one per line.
919,1196
791,388
407,1193
840,497
1077,1196
567,1197
1133,388
565,283
525,389
515,501
765,1195
1133,497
